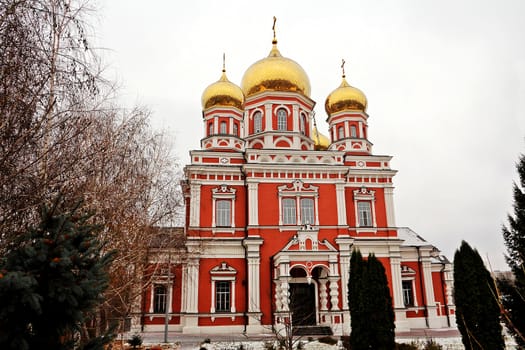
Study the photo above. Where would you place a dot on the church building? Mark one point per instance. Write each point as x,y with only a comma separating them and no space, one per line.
274,210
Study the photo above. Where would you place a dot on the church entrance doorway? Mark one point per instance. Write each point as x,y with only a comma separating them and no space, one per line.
302,304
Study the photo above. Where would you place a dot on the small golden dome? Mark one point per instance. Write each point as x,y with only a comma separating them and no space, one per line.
276,73
345,97
321,142
222,93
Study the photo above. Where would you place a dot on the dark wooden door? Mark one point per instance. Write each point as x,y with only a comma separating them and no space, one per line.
302,304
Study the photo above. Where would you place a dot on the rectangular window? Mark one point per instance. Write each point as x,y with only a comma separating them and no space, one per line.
365,214
223,213
222,296
307,211
160,296
341,132
289,211
408,293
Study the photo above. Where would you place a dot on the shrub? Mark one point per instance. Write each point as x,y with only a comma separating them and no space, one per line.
135,341
327,340
404,346
430,344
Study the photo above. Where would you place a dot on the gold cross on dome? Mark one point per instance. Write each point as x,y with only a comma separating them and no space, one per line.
343,66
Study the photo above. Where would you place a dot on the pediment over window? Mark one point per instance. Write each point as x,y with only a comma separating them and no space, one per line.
298,187
224,190
223,269
407,271
364,194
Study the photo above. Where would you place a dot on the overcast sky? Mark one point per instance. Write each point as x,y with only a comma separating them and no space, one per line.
445,82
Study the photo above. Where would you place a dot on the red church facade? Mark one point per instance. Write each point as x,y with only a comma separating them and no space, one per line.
274,210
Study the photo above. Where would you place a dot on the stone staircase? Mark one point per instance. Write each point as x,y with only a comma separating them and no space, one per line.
312,330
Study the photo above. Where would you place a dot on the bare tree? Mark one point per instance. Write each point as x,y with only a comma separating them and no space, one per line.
61,133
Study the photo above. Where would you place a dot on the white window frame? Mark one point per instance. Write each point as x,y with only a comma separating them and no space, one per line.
297,190
353,131
340,132
223,192
161,279
223,273
156,297
302,124
409,275
235,129
257,122
364,210
307,212
408,292
282,119
210,129
223,128
223,213
365,195
289,214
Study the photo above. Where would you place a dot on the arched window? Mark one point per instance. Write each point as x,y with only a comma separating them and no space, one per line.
353,131
210,129
235,130
257,122
303,124
340,133
223,128
282,119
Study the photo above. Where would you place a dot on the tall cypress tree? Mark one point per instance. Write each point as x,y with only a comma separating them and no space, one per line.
50,282
379,306
513,292
370,305
477,306
357,303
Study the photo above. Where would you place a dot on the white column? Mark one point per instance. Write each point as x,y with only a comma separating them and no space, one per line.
389,204
345,244
253,204
195,201
397,286
341,204
268,117
334,293
323,296
232,309
433,321
192,283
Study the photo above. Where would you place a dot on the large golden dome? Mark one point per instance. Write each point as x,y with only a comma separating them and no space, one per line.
345,97
275,73
222,93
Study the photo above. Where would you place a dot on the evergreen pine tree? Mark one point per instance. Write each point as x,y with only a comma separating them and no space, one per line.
50,282
370,303
477,307
513,292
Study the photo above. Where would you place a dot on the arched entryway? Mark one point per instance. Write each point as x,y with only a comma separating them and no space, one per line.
303,298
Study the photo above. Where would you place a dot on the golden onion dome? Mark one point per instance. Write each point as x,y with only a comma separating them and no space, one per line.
222,93
321,142
345,97
275,73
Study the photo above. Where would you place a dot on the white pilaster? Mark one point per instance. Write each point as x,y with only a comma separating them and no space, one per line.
253,204
334,293
389,204
397,286
341,206
433,321
195,201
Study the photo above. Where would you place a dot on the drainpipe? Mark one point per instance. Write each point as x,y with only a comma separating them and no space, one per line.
421,286
247,266
442,275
